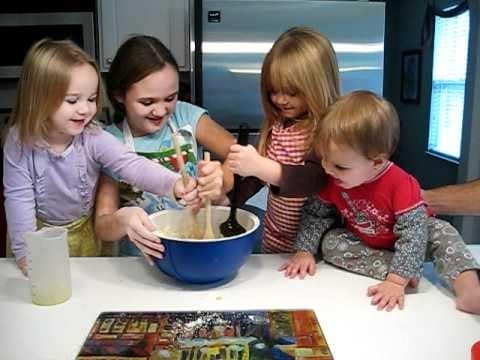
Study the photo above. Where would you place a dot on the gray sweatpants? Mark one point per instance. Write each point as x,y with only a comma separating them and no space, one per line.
445,248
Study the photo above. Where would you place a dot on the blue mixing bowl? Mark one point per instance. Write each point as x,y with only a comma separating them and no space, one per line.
203,261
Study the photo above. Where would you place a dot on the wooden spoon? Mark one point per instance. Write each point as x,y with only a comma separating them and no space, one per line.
180,162
195,230
209,234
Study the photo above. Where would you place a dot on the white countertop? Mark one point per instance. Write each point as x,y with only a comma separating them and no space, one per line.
428,328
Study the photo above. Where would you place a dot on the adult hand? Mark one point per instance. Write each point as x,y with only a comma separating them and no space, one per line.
244,160
138,227
389,293
210,180
22,265
301,264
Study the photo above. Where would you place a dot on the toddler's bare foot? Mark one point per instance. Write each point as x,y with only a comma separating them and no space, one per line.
469,302
467,291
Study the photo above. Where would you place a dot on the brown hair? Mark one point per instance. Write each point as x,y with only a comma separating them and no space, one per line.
136,58
43,83
301,62
361,120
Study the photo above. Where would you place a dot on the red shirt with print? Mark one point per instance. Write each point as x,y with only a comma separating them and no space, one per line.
370,209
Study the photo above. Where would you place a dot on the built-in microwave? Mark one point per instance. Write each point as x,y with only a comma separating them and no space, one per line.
19,31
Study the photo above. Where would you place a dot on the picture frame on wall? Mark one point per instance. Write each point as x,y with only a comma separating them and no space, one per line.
411,73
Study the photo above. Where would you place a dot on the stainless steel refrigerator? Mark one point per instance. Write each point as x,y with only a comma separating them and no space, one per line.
233,36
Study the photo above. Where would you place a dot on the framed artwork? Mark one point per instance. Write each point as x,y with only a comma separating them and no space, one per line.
411,73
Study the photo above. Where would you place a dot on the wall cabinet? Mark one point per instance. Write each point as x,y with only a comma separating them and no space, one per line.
168,20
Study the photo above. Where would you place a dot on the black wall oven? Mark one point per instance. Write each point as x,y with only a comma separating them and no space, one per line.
19,31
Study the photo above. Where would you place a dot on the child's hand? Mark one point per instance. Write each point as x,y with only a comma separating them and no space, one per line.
210,180
138,227
389,293
302,263
244,160
22,265
188,192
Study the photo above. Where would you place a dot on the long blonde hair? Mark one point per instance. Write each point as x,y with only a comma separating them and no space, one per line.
43,84
361,120
301,62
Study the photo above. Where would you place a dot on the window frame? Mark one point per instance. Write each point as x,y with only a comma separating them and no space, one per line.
430,151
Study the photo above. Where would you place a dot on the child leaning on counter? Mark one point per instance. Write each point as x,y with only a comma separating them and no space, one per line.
387,227
54,151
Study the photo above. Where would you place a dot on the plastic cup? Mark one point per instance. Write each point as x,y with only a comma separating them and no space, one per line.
48,266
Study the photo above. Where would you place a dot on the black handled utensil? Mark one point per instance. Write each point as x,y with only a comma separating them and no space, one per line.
231,226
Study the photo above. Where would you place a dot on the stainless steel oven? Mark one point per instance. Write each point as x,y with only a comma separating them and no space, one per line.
20,30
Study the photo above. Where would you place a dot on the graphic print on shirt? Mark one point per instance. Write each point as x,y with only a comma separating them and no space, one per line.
364,216
132,196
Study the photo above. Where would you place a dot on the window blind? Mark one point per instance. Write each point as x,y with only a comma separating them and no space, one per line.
450,50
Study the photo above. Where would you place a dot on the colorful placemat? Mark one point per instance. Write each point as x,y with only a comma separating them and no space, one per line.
206,335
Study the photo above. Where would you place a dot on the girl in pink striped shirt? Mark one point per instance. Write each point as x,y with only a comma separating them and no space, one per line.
299,80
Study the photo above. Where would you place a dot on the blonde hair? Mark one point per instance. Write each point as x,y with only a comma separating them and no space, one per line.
361,120
43,85
301,62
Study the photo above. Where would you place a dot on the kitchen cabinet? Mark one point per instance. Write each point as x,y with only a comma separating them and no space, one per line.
168,20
